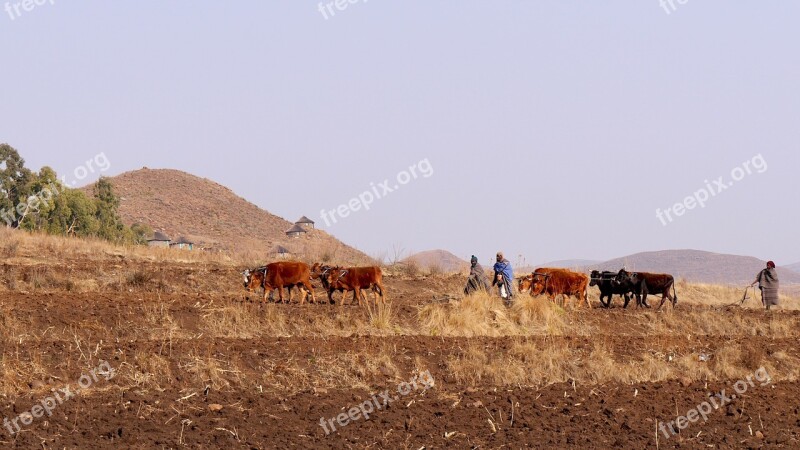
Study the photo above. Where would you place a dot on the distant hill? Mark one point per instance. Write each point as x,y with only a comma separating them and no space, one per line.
441,259
570,263
214,218
795,267
697,266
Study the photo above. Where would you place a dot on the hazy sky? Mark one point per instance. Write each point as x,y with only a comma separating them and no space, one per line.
553,129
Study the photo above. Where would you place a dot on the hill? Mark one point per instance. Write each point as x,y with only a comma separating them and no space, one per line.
441,259
795,267
697,266
569,263
214,218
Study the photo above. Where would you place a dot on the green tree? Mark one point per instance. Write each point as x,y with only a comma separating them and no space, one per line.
45,189
141,233
73,214
110,226
15,186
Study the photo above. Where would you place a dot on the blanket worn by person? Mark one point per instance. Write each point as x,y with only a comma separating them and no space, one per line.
477,280
503,268
769,284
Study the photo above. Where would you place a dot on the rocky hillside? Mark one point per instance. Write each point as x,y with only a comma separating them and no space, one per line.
216,219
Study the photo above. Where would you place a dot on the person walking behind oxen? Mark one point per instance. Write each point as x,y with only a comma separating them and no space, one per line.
504,278
477,281
767,281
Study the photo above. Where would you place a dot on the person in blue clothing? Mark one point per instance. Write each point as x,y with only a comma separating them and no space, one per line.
504,277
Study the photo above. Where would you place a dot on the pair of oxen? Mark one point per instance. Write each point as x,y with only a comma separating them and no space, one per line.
553,282
289,274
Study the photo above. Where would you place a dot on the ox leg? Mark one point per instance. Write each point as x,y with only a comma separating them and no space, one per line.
380,291
627,300
330,296
663,299
605,304
357,295
310,289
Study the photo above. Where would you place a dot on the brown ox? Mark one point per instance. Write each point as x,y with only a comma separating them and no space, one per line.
254,280
526,282
279,275
554,282
650,283
320,271
354,279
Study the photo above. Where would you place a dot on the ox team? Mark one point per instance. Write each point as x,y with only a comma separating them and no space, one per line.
287,275
543,281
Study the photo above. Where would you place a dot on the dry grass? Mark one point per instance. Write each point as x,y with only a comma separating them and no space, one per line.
484,315
538,363
719,295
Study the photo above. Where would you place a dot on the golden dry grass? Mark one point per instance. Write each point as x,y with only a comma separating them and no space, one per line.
537,363
485,315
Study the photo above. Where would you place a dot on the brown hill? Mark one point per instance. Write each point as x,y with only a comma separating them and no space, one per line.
698,266
439,259
214,218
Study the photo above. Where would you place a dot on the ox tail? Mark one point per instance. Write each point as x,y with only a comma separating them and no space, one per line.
674,295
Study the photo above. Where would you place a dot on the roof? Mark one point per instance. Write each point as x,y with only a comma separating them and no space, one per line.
296,229
304,219
159,236
183,240
280,249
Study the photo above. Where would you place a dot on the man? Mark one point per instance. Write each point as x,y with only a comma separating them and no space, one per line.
477,280
504,277
767,281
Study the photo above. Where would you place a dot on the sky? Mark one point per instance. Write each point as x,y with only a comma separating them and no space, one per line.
545,129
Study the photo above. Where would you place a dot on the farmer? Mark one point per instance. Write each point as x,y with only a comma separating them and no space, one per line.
477,280
767,281
504,277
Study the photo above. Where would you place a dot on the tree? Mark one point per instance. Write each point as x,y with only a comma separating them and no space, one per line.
141,233
45,188
15,185
110,226
73,214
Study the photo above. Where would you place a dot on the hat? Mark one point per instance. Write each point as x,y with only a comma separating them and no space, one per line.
473,260
771,264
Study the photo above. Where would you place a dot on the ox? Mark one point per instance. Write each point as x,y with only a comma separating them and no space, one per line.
554,282
354,279
609,287
526,282
279,275
321,272
254,280
650,283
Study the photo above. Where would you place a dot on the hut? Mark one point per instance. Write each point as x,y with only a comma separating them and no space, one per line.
281,252
296,231
183,243
305,222
159,239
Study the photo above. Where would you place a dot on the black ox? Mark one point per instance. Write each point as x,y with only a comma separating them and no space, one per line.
609,287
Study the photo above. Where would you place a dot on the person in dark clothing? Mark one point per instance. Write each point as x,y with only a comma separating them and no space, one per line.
767,281
477,280
504,278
